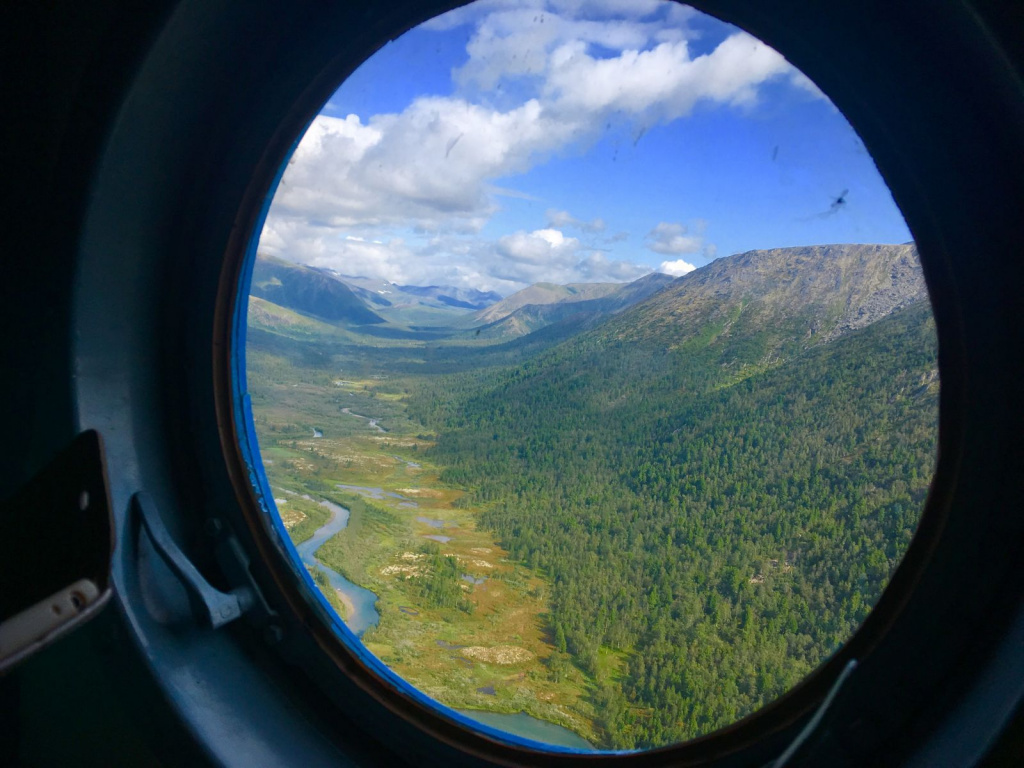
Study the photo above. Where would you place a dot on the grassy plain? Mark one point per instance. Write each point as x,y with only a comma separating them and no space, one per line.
324,426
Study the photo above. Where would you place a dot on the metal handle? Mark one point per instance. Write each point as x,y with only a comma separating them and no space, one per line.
216,607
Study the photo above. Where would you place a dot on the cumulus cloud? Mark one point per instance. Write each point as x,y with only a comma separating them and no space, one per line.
323,246
404,168
431,163
516,43
673,239
504,265
543,246
547,255
660,84
539,80
676,268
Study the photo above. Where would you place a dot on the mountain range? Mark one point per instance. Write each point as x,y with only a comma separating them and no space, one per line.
384,293
328,295
786,297
717,481
714,476
765,300
544,304
309,291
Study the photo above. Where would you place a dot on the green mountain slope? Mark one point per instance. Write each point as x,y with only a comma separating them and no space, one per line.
308,291
529,318
784,298
543,293
268,316
718,481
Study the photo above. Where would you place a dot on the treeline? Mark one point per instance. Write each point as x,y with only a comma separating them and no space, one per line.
725,516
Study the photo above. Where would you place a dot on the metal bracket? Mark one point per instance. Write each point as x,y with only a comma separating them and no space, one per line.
215,607
234,561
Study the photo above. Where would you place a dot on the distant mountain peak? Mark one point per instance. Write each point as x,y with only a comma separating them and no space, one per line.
544,293
311,291
431,296
825,290
544,304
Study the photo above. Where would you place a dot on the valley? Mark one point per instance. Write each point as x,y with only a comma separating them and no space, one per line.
458,619
638,512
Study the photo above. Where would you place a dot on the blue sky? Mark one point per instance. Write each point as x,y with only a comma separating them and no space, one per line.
508,143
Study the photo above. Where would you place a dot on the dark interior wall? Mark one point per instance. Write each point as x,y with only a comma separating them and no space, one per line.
66,66
68,71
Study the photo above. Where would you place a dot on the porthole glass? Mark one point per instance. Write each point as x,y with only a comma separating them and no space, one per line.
592,369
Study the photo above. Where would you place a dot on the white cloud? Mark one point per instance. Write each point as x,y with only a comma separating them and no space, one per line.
673,239
517,43
563,70
543,246
433,163
661,84
547,255
598,268
802,81
323,246
676,268
506,265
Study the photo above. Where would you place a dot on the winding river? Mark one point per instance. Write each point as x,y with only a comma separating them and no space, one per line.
522,724
373,422
361,606
360,603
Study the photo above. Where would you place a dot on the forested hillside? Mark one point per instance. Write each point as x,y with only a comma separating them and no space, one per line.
718,483
662,518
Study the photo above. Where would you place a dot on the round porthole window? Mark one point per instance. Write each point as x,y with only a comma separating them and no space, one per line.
586,341
592,371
